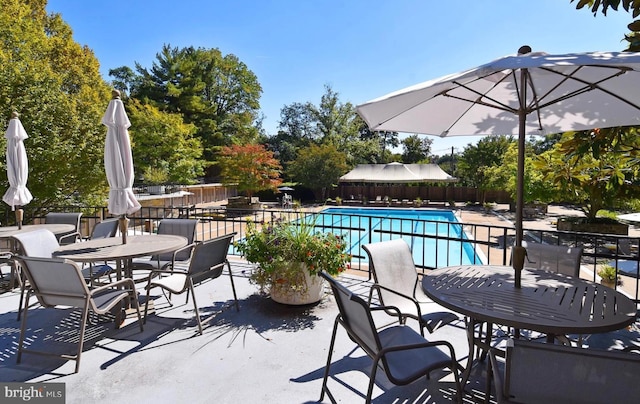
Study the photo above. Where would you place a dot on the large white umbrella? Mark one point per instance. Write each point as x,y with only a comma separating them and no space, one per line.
17,167
118,163
531,93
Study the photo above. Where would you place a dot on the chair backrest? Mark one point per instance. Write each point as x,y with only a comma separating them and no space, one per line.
177,227
209,257
391,263
356,317
55,282
105,229
553,258
37,243
548,373
72,218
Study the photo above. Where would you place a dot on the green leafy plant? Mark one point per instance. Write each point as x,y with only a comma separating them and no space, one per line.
608,274
284,250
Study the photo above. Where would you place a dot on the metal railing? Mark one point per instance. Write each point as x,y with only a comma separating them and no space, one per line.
491,243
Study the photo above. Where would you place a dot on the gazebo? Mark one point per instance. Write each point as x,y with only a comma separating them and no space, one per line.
394,177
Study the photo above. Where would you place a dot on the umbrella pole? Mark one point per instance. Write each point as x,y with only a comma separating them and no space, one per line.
124,227
519,252
19,216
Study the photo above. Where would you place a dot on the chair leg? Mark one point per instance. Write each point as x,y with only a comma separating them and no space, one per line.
195,305
83,325
233,286
372,379
134,298
146,304
328,365
23,328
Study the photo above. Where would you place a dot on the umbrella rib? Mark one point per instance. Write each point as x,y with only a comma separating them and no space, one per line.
588,86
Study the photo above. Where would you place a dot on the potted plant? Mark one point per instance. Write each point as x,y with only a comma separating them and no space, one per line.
608,276
156,177
289,257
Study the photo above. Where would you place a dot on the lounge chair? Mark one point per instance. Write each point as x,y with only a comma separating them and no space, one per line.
396,283
402,353
61,283
207,262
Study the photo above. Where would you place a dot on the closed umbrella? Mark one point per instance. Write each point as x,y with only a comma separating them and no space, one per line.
17,168
118,163
530,93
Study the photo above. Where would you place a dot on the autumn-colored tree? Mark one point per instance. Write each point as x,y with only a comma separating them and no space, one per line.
250,167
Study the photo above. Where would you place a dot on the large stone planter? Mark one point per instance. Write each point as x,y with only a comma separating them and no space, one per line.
311,289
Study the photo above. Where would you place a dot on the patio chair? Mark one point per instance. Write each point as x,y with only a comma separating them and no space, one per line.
402,353
554,258
207,262
546,373
396,283
178,227
61,283
104,229
72,218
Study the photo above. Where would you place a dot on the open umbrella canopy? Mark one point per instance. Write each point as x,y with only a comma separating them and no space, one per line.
530,93
17,165
118,161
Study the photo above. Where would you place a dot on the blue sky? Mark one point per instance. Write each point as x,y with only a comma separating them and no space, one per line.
363,49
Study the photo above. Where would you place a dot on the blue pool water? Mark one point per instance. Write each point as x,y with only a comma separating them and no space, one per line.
366,225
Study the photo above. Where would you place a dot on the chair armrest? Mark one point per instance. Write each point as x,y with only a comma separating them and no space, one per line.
395,292
75,235
387,309
179,250
111,285
424,344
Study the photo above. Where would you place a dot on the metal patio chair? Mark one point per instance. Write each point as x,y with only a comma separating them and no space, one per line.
72,218
207,262
61,283
402,353
396,283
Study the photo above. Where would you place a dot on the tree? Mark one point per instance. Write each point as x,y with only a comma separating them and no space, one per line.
55,85
319,167
594,183
250,167
162,141
416,148
331,122
476,159
216,93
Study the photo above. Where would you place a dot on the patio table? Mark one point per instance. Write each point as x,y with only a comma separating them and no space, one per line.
547,302
112,248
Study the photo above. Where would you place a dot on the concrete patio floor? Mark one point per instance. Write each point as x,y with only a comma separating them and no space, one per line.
264,353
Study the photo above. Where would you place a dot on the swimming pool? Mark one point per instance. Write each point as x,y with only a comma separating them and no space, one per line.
435,236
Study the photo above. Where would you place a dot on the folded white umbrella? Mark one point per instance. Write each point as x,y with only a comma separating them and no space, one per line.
17,167
531,93
118,161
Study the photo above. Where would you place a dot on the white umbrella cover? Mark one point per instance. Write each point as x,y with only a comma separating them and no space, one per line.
17,166
118,161
530,93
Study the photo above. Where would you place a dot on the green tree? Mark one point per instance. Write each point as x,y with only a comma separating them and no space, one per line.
162,141
476,159
319,167
330,122
594,183
251,167
55,85
217,93
416,148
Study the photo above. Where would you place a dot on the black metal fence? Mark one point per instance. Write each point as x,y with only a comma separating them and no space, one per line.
490,242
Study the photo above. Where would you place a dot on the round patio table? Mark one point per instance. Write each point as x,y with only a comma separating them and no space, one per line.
547,302
7,232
